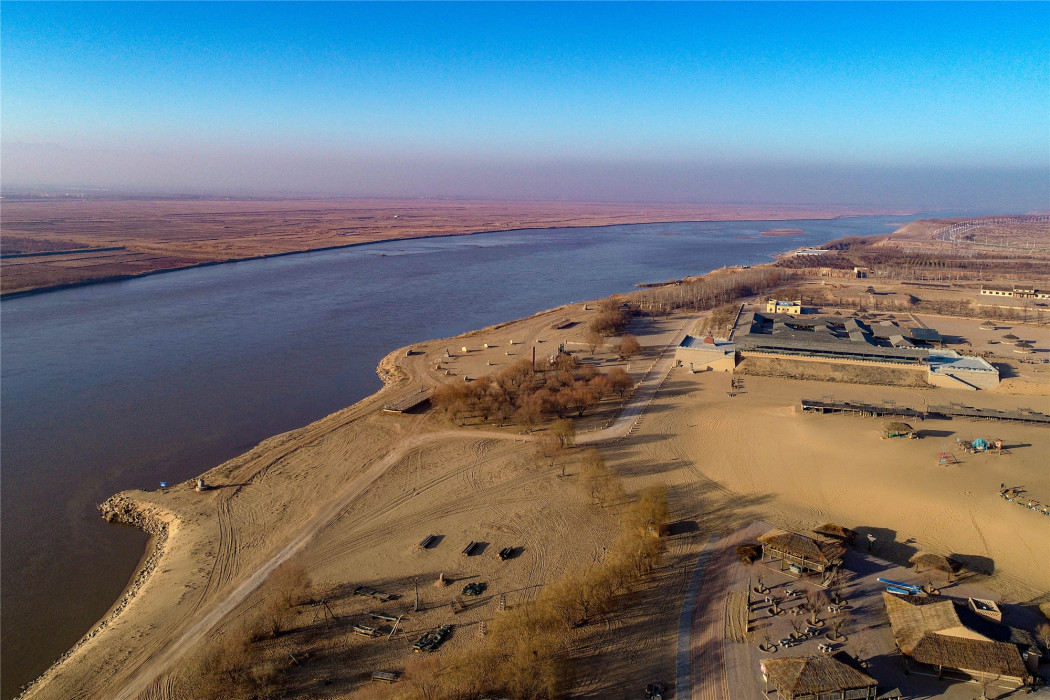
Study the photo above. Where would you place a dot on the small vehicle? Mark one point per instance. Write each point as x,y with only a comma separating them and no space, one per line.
432,639
655,691
474,589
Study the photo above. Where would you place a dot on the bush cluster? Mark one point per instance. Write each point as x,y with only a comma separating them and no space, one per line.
527,396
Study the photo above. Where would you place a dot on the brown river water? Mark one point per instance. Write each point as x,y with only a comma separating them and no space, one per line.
127,384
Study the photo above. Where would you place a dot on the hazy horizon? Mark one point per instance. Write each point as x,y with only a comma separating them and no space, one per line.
871,105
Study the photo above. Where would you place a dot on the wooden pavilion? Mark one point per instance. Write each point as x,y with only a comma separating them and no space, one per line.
801,553
817,677
836,532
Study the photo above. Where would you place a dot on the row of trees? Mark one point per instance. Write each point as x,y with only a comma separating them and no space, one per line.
711,290
524,654
527,396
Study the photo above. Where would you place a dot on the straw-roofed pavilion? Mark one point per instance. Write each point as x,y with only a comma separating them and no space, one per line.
925,561
929,632
836,532
811,677
806,553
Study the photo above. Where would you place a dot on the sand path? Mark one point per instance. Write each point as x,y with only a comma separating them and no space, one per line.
224,569
172,652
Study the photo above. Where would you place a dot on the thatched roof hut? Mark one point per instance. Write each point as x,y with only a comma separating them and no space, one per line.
895,428
837,532
801,550
937,562
928,630
817,676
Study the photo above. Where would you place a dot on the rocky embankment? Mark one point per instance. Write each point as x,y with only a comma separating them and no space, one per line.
154,521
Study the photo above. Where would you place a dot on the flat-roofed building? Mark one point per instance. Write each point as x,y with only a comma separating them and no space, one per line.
706,353
791,308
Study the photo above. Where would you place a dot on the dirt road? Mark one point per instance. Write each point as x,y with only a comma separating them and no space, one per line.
168,655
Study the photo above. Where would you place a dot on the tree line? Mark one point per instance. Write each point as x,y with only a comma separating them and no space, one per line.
526,395
711,290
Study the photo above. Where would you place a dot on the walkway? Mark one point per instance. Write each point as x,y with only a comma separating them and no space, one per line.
684,654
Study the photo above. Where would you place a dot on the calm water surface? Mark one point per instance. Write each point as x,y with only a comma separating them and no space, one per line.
124,385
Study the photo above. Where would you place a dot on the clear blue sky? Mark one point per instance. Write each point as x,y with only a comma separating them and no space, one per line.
704,102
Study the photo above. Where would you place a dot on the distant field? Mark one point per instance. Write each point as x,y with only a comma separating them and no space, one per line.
49,237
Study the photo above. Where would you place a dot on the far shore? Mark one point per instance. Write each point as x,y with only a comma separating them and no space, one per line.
360,455
58,244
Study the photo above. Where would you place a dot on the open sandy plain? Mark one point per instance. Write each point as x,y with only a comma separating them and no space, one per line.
351,496
60,241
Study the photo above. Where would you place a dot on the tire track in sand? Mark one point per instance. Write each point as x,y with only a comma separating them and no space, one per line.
167,654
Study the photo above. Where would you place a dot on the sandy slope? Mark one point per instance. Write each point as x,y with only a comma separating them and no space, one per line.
351,495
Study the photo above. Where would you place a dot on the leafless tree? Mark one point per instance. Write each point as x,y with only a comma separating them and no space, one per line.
594,340
628,346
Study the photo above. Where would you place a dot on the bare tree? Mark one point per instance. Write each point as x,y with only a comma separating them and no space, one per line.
840,621
628,346
620,380
797,625
594,340
529,413
815,602
565,431
550,447
601,386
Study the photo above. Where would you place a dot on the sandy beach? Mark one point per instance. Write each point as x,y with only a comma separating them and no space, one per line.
352,495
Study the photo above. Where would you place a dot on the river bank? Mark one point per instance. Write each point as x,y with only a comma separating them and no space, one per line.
235,531
109,240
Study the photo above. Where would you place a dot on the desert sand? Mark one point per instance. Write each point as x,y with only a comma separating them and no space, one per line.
352,495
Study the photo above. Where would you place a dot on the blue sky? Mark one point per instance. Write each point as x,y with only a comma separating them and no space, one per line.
683,101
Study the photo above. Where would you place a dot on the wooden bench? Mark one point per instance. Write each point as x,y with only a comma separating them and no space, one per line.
469,548
427,541
384,676
365,631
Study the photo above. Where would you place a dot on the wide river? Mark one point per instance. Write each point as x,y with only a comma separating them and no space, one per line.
126,384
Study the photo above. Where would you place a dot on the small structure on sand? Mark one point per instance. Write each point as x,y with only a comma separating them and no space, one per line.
200,484
895,429
836,532
929,561
800,553
811,677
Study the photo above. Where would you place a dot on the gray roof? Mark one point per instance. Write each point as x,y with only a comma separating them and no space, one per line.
927,334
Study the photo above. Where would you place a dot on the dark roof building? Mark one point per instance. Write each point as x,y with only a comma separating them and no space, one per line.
826,336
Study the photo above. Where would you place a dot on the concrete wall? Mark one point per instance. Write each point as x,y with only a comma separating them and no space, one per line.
705,360
952,378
